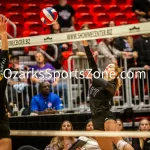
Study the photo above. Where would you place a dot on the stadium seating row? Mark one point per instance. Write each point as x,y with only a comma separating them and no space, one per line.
80,8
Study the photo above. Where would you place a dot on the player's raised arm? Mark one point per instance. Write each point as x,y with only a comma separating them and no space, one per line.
3,32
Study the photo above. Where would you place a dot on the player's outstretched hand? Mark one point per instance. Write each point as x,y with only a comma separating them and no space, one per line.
3,24
85,43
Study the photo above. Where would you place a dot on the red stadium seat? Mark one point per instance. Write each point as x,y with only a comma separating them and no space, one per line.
15,1
32,8
33,26
102,17
30,33
54,2
120,17
105,2
19,29
32,17
15,17
99,9
2,9
138,119
121,22
82,9
121,2
10,30
89,2
33,2
86,17
129,2
92,25
132,18
72,2
113,9
45,5
127,9
102,24
77,27
45,29
3,2
14,7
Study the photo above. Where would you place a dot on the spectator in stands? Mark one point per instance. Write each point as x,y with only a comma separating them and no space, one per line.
92,143
81,64
46,101
142,46
62,143
142,143
65,16
78,48
125,44
17,83
46,72
106,48
142,9
111,24
55,28
121,128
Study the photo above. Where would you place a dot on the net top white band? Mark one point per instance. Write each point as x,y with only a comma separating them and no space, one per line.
99,33
135,134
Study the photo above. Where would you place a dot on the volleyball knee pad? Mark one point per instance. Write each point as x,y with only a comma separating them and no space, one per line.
121,144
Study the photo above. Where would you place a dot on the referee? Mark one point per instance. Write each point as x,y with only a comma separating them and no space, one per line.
5,141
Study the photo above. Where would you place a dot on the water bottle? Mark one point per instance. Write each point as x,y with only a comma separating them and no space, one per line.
15,110
61,108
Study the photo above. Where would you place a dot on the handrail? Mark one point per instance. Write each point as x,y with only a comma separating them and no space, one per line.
47,55
13,25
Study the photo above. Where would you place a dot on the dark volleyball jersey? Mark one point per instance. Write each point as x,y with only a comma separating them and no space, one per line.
136,144
101,91
3,83
65,14
142,46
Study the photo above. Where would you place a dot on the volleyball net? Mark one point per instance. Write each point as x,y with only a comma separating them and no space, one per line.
133,134
99,33
72,87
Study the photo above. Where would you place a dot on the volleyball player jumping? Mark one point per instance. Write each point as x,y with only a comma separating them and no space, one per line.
5,141
102,91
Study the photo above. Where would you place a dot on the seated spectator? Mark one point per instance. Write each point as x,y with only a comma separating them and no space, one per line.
16,83
125,44
77,46
44,74
142,9
106,48
142,143
45,101
65,16
92,143
142,46
62,143
121,128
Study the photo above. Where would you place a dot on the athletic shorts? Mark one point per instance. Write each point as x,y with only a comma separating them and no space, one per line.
100,119
4,130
